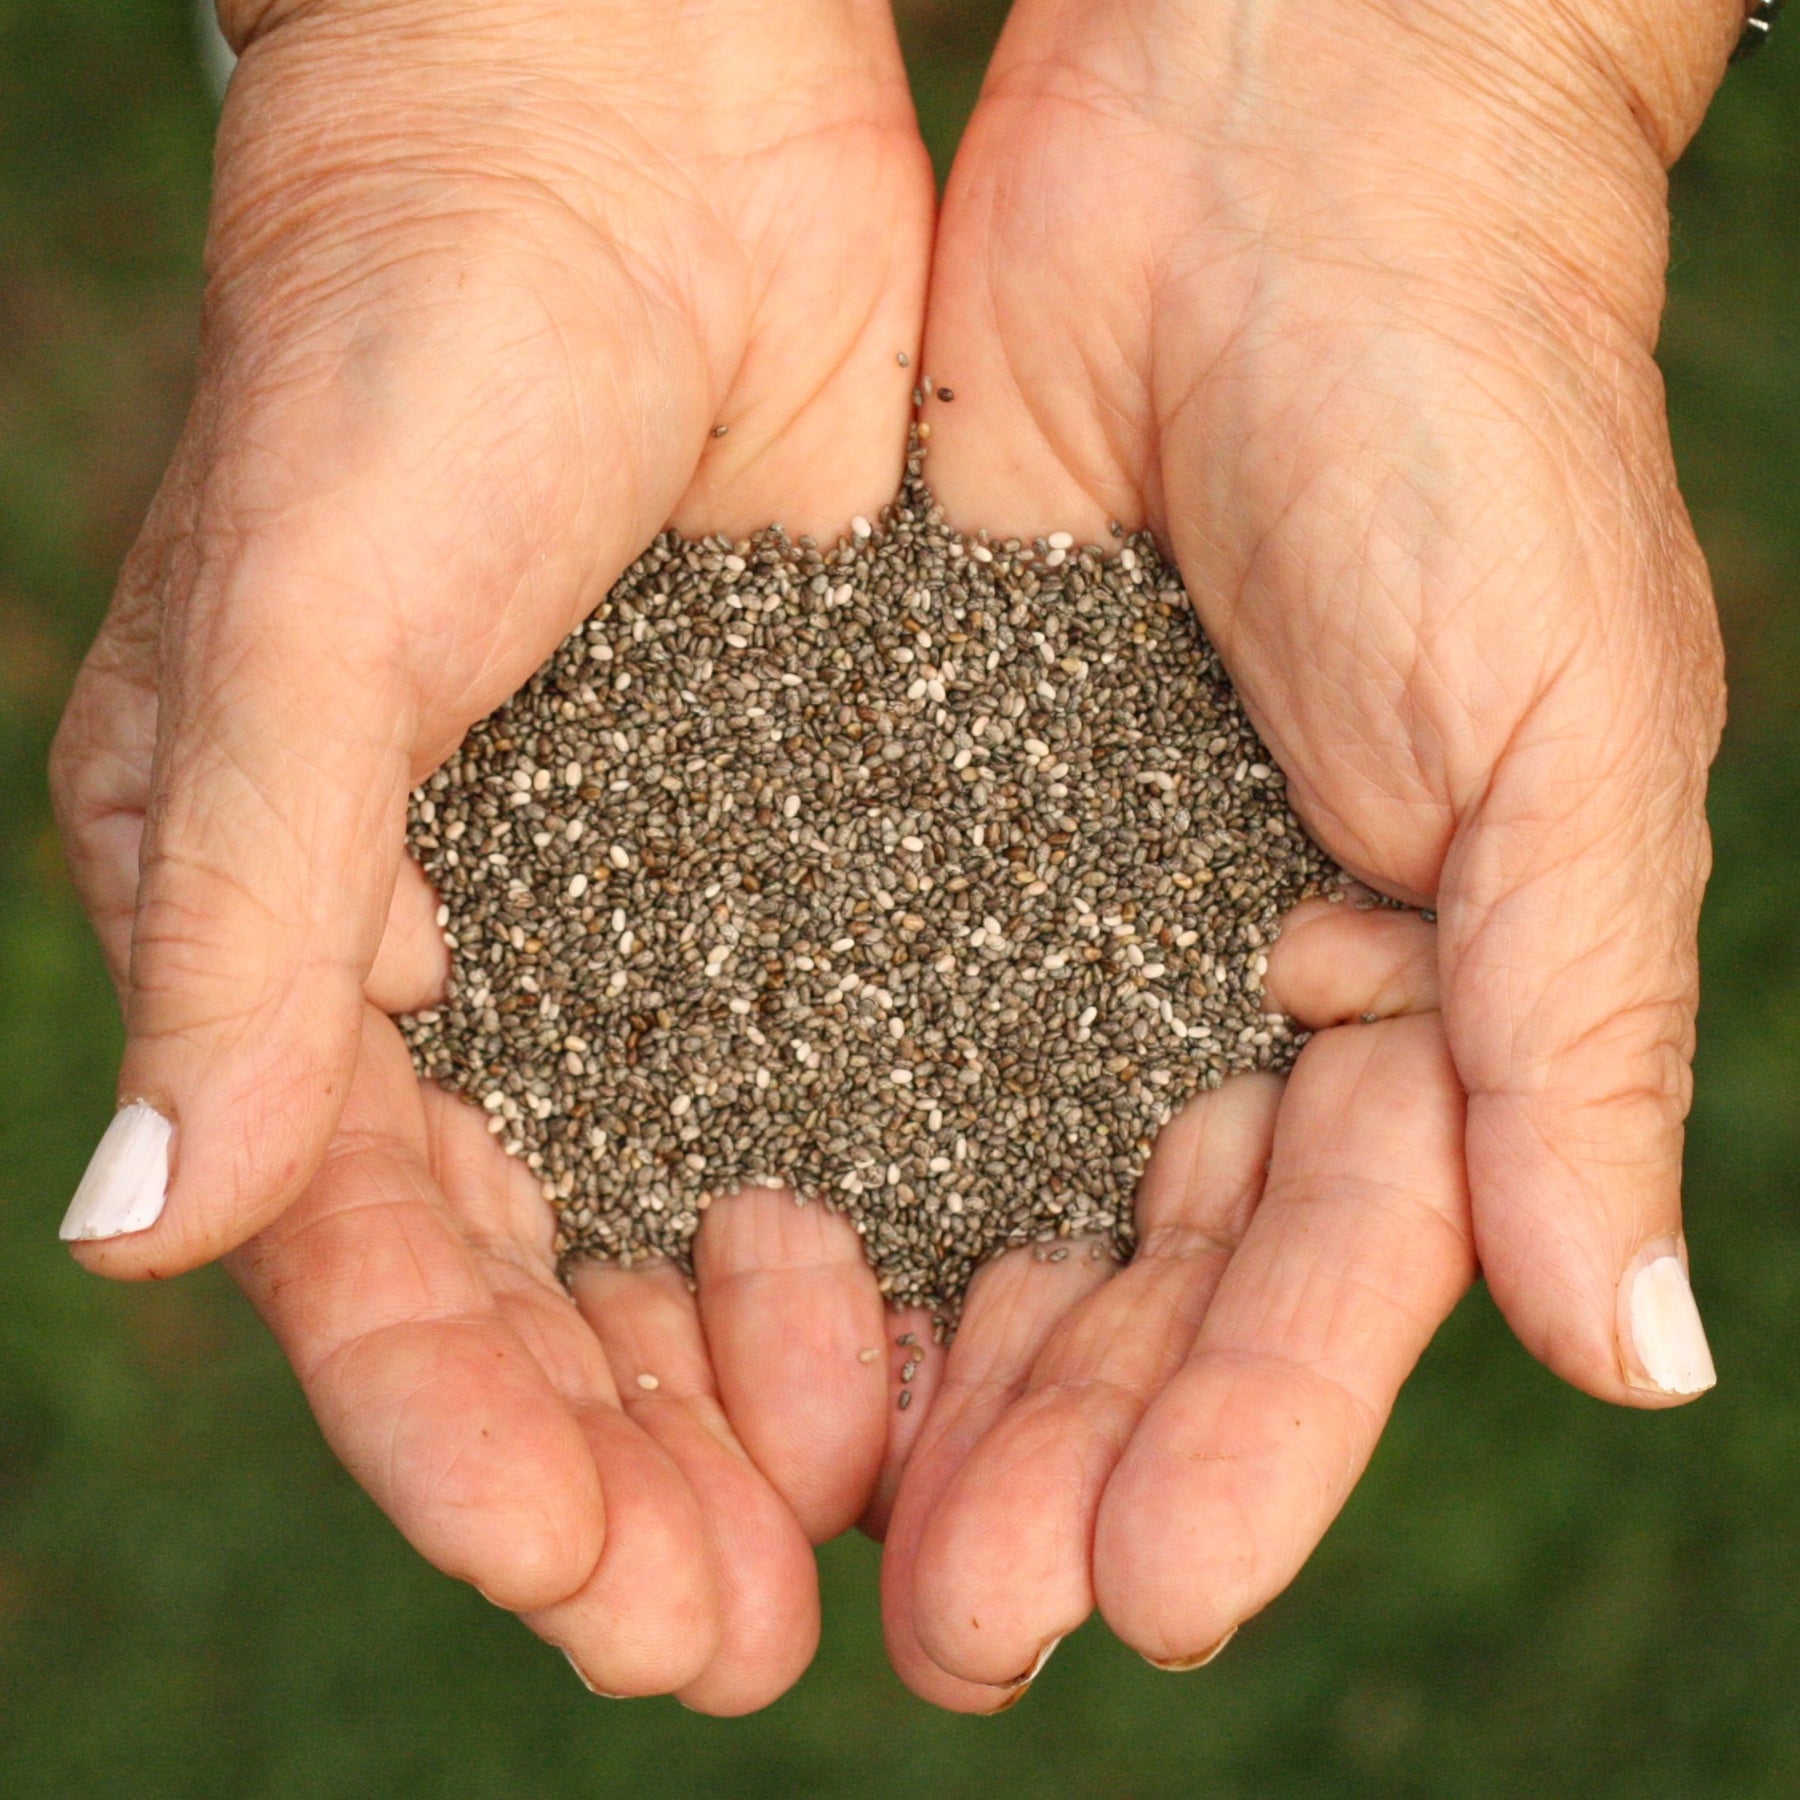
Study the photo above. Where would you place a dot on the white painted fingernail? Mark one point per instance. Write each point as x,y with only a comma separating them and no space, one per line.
1666,1349
127,1181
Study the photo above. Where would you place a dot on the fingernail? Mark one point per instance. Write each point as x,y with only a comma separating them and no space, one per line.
1010,1701
580,1676
1015,1683
1177,1664
1665,1343
127,1180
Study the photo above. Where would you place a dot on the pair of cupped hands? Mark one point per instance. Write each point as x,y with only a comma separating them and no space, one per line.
1353,303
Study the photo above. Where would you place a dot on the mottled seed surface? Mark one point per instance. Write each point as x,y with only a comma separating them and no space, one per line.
922,876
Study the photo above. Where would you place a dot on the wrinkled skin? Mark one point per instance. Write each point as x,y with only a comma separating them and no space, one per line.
1365,335
1359,321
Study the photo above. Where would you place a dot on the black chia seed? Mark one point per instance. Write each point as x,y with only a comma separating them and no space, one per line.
922,876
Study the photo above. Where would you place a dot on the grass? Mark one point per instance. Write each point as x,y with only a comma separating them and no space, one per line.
1530,1594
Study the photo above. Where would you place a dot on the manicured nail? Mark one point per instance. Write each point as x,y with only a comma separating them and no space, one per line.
1665,1343
127,1182
1177,1664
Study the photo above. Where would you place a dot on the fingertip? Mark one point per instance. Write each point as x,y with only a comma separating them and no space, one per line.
648,1618
460,1441
1001,1571
1587,1264
1189,1539
412,966
236,1149
790,1309
1656,1355
1339,959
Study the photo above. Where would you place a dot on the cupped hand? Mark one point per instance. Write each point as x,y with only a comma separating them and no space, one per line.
1355,306
493,296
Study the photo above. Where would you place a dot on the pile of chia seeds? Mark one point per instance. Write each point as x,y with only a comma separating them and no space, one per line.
922,876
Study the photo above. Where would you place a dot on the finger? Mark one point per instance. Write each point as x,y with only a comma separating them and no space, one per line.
795,1327
649,1325
499,1215
266,868
914,1357
1569,904
412,963
1005,1564
352,573
1012,1307
1359,1249
429,1397
1047,426
1351,959
647,1620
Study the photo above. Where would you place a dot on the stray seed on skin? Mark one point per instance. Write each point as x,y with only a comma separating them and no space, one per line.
915,860
905,1398
648,1383
720,430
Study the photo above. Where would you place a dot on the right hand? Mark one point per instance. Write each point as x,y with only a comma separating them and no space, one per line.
481,284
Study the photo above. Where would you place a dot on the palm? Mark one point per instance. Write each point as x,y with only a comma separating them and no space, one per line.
1420,490
474,313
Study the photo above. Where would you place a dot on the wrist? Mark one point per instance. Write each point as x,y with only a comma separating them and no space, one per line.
243,21
1664,59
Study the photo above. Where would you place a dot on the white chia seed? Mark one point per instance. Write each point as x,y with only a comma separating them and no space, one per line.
925,876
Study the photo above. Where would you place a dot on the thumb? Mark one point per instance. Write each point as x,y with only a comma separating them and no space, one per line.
1568,911
271,843
386,512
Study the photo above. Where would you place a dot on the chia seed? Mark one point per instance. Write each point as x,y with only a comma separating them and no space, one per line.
923,876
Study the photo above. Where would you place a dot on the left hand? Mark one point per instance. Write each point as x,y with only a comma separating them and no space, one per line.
1355,306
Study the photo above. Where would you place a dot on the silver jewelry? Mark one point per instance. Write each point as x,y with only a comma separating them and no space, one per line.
1757,25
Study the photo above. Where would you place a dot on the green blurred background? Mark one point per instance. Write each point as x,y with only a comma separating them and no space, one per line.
1529,1595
